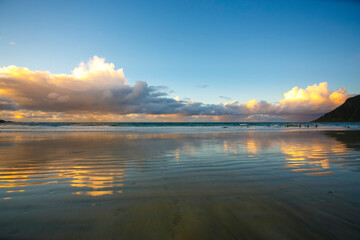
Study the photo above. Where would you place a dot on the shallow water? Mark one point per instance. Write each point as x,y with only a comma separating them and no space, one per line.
221,185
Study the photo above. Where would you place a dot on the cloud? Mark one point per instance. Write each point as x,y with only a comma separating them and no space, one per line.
314,99
7,104
12,43
93,87
99,90
225,98
202,86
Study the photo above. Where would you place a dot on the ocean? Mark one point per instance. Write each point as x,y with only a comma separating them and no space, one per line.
172,126
179,181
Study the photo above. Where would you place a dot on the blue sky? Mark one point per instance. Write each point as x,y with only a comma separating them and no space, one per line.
199,49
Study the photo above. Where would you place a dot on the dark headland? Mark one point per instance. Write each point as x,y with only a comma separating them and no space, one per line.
3,121
349,111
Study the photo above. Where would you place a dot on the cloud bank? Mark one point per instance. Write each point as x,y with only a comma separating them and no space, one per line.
97,88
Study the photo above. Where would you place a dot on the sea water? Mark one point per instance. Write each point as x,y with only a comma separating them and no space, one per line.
172,126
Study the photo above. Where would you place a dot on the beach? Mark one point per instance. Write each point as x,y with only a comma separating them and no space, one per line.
180,183
179,120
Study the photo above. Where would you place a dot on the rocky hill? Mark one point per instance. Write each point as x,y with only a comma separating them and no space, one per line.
349,111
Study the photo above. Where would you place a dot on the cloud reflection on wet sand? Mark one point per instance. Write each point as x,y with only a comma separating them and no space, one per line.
46,158
219,179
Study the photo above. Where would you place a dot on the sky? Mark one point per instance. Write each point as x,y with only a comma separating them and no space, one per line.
290,60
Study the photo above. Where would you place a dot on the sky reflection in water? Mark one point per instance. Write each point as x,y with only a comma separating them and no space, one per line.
95,163
247,172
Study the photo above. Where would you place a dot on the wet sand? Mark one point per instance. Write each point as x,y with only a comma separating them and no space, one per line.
243,185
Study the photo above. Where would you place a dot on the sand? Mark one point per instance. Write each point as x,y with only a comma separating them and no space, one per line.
244,185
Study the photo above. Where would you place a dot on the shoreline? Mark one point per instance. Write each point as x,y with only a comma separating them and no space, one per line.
176,129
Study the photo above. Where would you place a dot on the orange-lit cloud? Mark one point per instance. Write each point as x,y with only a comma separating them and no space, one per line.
314,99
97,91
